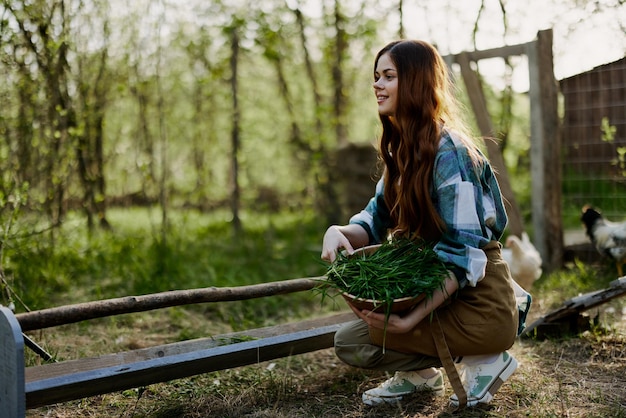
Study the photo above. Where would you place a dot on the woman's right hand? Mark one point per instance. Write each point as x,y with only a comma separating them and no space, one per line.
334,240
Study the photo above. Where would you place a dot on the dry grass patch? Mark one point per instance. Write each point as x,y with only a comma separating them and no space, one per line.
580,376
576,377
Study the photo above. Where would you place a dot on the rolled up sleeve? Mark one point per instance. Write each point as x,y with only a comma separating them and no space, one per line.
375,217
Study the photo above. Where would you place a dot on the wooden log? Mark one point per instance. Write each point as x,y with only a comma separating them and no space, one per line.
62,315
50,370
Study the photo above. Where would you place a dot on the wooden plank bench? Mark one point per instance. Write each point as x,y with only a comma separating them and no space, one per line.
30,387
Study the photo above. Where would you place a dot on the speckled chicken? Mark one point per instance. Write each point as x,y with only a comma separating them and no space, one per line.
523,259
608,237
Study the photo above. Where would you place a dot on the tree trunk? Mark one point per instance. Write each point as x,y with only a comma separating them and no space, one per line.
89,146
339,97
235,142
145,142
401,34
202,138
163,144
101,102
317,97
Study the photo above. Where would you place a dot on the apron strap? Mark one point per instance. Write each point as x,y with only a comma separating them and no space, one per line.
448,364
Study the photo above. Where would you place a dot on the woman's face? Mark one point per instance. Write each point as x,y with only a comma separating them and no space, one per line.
386,85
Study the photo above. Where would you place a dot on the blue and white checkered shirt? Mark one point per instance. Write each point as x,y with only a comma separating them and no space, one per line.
469,201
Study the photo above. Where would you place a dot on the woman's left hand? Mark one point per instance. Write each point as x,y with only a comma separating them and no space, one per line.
396,324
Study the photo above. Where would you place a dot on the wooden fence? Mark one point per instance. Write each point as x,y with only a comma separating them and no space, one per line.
544,137
23,387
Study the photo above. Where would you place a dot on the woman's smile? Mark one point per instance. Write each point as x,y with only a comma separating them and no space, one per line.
386,85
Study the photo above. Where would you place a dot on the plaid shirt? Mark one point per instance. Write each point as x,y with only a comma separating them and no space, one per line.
468,200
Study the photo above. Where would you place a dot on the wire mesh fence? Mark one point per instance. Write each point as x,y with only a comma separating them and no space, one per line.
594,140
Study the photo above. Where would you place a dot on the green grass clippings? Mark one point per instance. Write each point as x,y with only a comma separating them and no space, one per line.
399,268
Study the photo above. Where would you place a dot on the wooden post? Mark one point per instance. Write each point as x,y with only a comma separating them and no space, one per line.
12,385
545,161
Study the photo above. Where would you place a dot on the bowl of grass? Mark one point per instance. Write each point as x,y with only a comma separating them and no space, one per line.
391,277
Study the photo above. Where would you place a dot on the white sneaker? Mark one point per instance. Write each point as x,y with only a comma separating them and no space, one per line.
403,383
482,381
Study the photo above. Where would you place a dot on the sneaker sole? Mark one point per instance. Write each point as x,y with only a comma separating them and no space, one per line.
494,387
377,400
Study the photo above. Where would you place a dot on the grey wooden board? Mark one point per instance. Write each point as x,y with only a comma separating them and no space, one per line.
76,379
47,371
11,366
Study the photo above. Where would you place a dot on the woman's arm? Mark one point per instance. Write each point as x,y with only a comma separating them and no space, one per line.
348,237
401,324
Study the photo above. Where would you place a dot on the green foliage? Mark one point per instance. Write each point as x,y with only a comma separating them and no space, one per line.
564,284
199,251
608,135
580,189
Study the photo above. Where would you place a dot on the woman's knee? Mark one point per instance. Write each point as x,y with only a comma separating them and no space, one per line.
353,346
364,356
355,332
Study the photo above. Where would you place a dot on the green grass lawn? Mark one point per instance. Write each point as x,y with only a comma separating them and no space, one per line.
198,250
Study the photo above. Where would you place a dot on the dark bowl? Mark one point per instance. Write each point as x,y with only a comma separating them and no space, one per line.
397,306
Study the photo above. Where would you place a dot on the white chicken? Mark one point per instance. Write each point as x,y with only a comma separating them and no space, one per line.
523,259
608,237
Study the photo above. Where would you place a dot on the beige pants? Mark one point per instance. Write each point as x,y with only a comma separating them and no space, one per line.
475,320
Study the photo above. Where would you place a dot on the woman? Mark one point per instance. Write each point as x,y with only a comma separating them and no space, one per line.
438,186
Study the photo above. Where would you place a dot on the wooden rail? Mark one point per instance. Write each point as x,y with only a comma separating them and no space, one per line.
63,315
22,387
59,382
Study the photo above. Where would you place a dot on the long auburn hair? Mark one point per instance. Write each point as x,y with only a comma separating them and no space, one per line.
410,139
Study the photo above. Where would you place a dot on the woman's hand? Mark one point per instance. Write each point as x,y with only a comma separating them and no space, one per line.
334,240
396,324
347,237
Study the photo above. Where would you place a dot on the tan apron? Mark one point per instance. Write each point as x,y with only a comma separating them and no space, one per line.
476,320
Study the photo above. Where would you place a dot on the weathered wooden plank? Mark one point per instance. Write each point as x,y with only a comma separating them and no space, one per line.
501,52
47,371
11,366
52,317
571,308
88,377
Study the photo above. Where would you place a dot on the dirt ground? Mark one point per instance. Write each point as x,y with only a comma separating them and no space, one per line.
578,376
